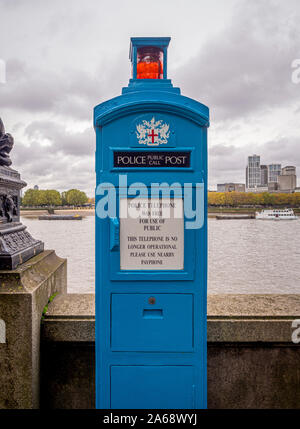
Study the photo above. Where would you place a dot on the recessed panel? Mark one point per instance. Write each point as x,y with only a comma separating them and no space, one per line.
152,387
152,322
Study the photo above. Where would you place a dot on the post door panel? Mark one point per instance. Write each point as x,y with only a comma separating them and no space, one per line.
152,387
157,322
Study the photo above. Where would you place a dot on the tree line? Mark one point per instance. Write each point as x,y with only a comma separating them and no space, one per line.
51,197
75,197
237,199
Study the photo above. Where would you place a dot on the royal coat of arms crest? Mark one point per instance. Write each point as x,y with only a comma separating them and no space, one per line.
153,133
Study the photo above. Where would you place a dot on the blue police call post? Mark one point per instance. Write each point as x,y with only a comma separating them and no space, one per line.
151,240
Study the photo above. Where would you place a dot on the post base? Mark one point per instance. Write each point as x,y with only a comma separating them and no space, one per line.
17,245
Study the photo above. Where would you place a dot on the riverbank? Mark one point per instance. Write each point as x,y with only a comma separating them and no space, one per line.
34,214
212,211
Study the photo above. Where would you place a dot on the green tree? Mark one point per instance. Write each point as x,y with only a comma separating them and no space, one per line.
228,198
76,198
31,198
295,199
41,197
52,197
266,199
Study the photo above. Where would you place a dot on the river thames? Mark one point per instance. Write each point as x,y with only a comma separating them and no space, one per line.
245,256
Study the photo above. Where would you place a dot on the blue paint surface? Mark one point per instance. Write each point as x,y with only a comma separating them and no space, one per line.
164,326
161,386
151,355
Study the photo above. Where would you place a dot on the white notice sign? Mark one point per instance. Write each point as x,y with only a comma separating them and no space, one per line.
152,234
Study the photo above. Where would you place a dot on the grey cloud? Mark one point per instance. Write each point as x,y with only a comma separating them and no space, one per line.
222,150
66,162
284,150
65,66
246,68
226,164
77,143
28,89
48,168
11,4
68,93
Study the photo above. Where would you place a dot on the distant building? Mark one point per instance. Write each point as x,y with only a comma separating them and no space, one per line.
272,178
263,175
36,188
231,187
288,170
274,170
287,181
253,172
221,187
258,189
272,186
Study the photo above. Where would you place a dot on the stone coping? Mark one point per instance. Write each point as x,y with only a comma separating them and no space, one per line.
253,306
28,276
231,318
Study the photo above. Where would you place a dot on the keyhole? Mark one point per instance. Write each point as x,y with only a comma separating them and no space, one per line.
151,300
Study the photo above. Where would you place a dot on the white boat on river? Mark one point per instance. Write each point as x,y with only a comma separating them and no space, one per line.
276,214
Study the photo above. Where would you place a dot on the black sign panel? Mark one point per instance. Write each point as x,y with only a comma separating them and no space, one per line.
150,159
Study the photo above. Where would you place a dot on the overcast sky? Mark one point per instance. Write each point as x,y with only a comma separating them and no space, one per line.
64,57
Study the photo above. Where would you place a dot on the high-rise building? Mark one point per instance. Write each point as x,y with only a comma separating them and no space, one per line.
274,170
264,175
272,177
253,172
287,181
288,170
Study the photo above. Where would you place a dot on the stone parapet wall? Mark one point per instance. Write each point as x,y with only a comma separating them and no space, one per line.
252,361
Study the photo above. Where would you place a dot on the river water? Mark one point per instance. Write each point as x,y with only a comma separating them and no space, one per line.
245,256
